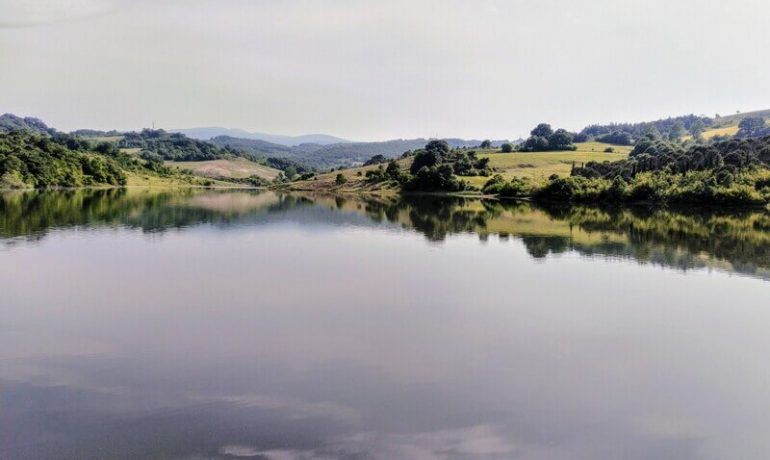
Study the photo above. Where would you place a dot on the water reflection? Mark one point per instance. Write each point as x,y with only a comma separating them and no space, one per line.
731,240
222,325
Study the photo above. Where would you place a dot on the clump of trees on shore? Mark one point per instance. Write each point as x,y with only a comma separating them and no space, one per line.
29,160
543,139
434,168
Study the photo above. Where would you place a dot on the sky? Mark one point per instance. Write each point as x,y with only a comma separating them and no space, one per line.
375,70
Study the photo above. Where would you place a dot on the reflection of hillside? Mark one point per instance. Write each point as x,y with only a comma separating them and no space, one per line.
33,214
731,241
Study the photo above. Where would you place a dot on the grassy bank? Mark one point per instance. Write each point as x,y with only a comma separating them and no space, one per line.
535,166
238,168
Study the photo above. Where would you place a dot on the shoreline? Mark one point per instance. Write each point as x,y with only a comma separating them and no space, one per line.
394,193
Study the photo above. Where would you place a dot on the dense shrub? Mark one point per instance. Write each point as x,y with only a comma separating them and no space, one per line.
172,146
435,179
543,139
32,160
516,187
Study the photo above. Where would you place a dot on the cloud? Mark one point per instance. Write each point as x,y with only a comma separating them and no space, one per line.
18,13
479,442
292,408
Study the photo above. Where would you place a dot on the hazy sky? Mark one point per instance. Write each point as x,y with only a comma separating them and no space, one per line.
380,69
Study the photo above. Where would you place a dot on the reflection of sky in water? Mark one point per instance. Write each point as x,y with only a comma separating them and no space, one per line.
300,340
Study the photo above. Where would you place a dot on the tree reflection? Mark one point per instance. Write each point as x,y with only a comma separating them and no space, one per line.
732,240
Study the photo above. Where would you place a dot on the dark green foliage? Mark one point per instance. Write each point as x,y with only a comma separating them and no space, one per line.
569,189
290,173
10,122
617,190
659,155
560,140
435,179
154,163
670,128
655,146
376,175
580,137
95,133
174,147
544,139
516,187
467,163
307,176
506,147
425,158
107,148
375,160
487,144
616,138
535,144
340,179
285,164
700,187
542,130
435,167
725,177
393,171
31,160
439,146
696,128
751,123
752,127
382,174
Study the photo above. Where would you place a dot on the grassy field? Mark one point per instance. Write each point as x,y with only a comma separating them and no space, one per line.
110,139
724,131
733,120
538,166
151,180
721,131
235,169
355,178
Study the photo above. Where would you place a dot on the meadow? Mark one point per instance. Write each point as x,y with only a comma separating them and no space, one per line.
230,169
537,166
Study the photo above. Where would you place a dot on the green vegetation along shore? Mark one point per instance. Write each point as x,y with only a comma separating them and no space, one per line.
722,161
551,167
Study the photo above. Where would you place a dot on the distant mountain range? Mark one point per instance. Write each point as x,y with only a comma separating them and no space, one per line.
291,141
331,155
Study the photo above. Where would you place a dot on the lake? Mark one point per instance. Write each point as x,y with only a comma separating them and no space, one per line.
233,324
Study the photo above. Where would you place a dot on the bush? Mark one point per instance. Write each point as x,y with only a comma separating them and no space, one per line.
571,189
435,179
424,158
340,179
617,191
516,187
725,178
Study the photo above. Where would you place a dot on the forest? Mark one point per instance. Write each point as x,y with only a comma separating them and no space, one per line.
35,161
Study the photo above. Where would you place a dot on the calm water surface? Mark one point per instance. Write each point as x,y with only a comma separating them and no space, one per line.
225,325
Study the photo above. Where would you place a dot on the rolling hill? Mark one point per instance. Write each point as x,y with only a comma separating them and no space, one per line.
334,155
10,122
212,132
